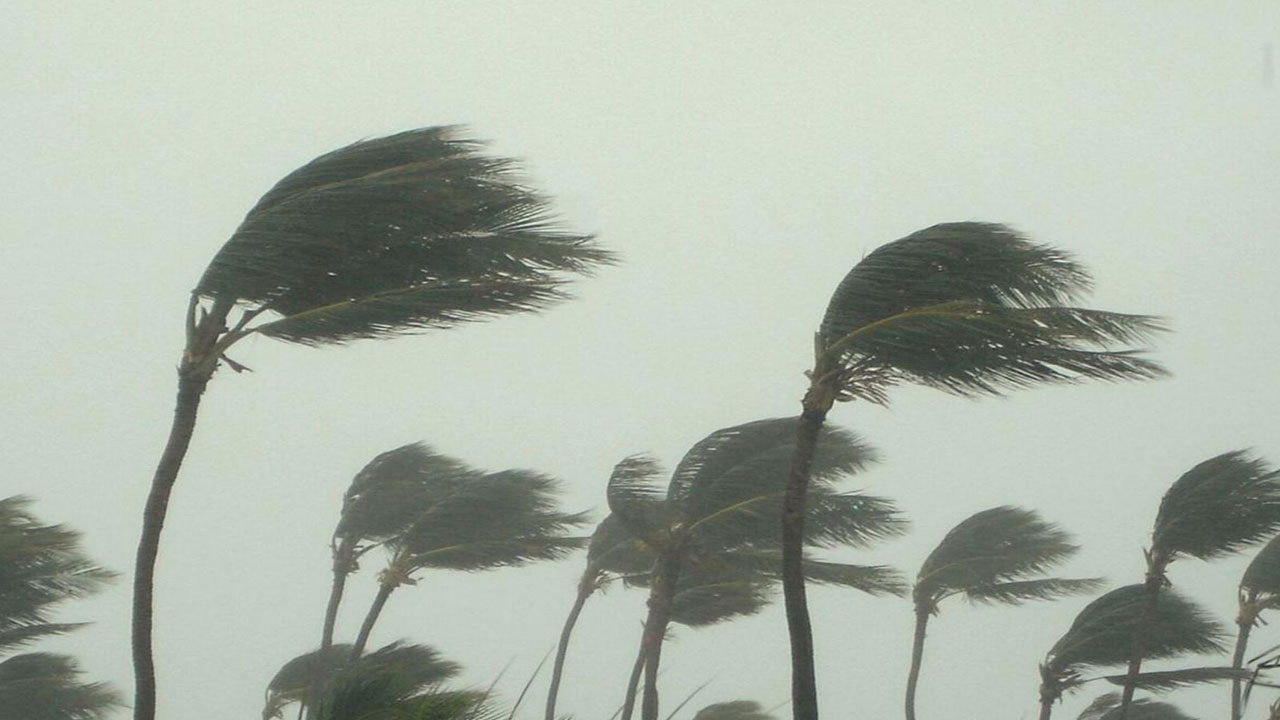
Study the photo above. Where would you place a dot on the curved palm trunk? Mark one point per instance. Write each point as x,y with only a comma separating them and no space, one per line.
1046,708
585,587
199,360
633,682
804,690
666,575
1245,621
379,601
1151,596
917,656
331,610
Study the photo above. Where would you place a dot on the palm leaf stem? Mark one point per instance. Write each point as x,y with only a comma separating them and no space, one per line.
379,601
586,587
817,402
666,573
199,360
1151,586
1246,619
917,657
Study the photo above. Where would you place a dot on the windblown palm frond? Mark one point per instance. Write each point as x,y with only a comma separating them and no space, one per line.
1107,707
1217,508
1165,680
1261,578
411,231
635,496
382,693
878,580
43,686
707,598
993,555
733,710
973,308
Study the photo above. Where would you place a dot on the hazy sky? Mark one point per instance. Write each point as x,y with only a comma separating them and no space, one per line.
741,157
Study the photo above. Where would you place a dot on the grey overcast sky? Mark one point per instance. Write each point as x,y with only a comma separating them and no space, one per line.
741,156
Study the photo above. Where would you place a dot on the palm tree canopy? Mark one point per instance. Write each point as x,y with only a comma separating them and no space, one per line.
43,686
733,710
1261,580
415,230
707,598
973,308
383,691
1107,707
994,556
1102,634
1217,508
40,566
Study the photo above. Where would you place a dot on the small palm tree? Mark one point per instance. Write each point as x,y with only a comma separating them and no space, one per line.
384,237
42,566
1107,707
1102,636
1259,591
968,308
475,521
1215,509
720,510
994,556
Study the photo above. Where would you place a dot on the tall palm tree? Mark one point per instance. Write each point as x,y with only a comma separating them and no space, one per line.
1217,508
968,308
1259,591
721,508
475,521
41,567
1102,636
384,237
994,556
1107,707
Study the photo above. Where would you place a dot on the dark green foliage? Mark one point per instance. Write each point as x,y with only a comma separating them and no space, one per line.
42,686
382,693
733,710
1261,579
993,556
411,231
972,308
1162,681
1218,508
1107,707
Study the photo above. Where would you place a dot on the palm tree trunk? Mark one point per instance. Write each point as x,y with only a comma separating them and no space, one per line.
379,601
331,610
1046,708
917,655
585,587
1151,596
666,575
633,682
804,690
1245,621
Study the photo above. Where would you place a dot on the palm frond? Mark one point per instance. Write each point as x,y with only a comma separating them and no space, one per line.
703,599
994,556
44,686
16,635
1260,584
1218,507
851,519
1107,707
733,710
389,235
1173,679
871,579
974,308
614,549
635,496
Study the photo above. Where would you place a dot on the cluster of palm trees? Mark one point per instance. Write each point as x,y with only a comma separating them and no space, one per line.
421,230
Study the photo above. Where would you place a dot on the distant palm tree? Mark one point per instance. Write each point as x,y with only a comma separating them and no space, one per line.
968,308
42,566
994,556
384,237
1102,636
1107,707
475,521
1217,508
719,511
1259,591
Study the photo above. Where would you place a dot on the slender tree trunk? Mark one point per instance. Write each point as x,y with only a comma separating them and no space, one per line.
917,656
1046,708
1245,620
585,587
331,611
633,682
379,601
666,575
1151,597
804,690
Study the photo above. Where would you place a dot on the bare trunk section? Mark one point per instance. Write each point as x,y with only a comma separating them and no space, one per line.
379,601
341,569
633,682
917,656
585,588
666,575
1245,621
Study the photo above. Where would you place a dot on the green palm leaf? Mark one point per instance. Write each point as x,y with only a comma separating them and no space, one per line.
1262,577
1217,508
733,710
43,686
1107,707
1173,679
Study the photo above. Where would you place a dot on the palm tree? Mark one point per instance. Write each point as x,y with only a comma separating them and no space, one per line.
384,237
397,690
42,566
1102,635
994,556
1259,591
475,521
1217,508
968,308
733,710
418,667
720,510
1107,707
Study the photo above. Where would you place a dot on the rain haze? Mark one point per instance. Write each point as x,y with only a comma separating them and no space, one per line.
740,158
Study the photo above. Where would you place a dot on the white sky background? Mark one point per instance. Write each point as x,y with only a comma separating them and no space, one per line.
741,156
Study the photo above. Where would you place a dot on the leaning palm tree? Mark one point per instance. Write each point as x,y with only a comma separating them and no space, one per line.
968,308
1259,591
720,509
1107,707
1102,636
994,556
41,567
471,522
1217,508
